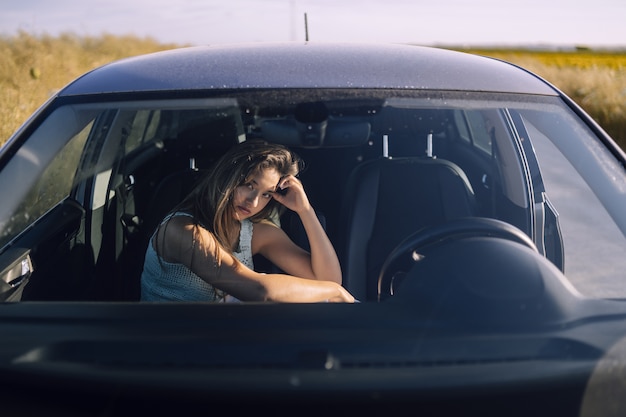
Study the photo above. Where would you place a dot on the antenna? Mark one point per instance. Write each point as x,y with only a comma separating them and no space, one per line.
306,28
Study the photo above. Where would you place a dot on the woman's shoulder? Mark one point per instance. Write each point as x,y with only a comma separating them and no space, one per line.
178,226
180,215
180,235
175,221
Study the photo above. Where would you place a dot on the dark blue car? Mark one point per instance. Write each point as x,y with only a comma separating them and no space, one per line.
478,215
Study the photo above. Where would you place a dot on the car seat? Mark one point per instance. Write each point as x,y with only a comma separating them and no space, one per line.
386,200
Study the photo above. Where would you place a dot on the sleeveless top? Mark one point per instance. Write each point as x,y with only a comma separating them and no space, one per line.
169,281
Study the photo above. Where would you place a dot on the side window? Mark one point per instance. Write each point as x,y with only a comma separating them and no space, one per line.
461,125
473,129
57,179
53,185
479,131
577,187
143,128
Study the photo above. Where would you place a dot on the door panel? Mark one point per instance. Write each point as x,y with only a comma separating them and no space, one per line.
15,271
50,260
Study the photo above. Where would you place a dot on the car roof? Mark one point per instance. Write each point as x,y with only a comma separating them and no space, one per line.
308,65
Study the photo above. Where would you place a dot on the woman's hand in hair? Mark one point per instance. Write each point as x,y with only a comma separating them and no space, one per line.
290,193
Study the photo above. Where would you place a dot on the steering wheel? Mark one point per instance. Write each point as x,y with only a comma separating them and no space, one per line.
407,253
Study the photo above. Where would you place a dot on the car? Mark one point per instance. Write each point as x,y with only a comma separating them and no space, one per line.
477,212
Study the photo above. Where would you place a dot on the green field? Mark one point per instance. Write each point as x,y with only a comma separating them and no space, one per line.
34,67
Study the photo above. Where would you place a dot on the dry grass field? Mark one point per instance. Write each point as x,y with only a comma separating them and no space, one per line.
33,68
596,80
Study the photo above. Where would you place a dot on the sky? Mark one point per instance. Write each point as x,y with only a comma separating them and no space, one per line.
528,23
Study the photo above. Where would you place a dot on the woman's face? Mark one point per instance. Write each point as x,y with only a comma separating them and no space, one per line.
252,196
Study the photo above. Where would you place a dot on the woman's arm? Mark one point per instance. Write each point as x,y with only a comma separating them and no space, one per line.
322,262
176,237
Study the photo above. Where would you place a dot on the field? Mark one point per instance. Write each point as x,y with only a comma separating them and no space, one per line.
596,80
33,68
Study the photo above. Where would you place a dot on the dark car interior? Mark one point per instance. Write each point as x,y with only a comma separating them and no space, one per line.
374,172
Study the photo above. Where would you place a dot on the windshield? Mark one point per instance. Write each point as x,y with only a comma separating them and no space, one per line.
527,161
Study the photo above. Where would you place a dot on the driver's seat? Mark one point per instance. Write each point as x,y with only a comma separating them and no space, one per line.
387,200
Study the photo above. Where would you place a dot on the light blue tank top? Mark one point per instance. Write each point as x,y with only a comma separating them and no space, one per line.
168,281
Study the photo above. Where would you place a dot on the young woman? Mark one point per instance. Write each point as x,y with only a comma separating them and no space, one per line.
202,251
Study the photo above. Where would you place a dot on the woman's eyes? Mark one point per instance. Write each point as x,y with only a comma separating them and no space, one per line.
250,186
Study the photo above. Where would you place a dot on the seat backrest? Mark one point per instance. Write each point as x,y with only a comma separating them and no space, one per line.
389,199
169,192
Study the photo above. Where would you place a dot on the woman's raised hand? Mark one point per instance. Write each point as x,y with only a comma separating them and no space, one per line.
290,193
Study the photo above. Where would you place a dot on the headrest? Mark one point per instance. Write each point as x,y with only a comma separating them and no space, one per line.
415,122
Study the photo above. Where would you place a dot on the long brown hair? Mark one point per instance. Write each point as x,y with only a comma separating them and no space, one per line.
210,203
